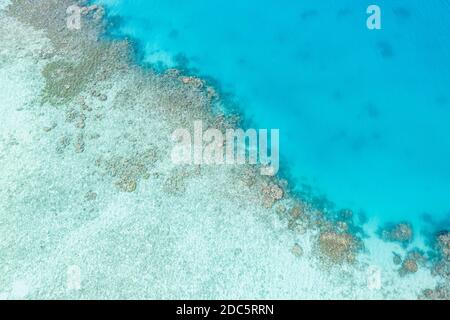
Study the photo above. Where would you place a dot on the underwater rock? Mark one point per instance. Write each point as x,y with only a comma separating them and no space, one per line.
402,232
297,250
337,247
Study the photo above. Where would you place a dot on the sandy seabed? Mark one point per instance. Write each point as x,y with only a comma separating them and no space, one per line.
87,183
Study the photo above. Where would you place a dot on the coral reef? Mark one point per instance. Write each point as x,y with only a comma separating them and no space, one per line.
338,248
441,292
409,265
271,193
65,79
397,259
444,245
175,183
126,172
401,232
442,269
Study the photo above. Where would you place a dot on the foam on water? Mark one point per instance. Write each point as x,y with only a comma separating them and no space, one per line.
364,114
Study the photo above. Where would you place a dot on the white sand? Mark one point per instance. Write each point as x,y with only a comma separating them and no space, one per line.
211,240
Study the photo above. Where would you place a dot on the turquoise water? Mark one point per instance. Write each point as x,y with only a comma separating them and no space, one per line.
364,114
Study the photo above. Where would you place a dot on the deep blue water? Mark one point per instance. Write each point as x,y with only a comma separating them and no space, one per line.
364,114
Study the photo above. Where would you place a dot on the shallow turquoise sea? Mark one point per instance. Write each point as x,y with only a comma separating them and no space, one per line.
364,114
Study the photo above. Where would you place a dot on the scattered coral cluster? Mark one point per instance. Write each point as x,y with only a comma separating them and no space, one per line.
338,247
441,268
127,172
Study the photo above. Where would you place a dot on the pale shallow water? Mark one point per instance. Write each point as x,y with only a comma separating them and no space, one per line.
364,114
